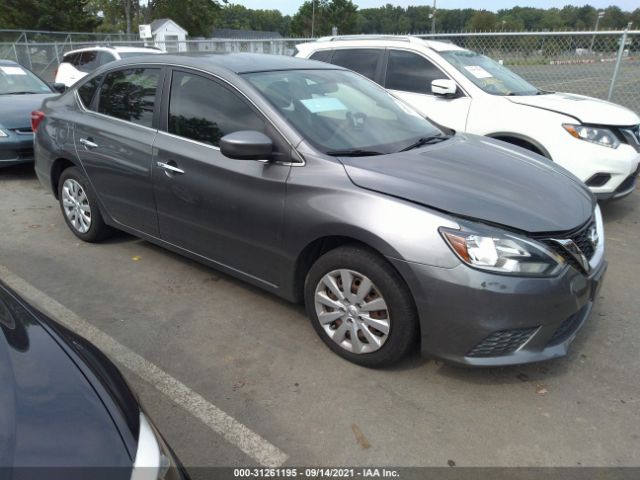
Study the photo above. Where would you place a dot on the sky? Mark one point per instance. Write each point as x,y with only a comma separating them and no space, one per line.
289,7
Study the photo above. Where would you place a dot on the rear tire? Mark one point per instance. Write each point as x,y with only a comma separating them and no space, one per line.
352,293
80,207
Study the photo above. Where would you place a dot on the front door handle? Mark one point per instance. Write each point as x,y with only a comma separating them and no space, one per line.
88,143
169,168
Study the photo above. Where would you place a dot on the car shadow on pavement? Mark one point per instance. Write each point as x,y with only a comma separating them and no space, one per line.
23,171
616,210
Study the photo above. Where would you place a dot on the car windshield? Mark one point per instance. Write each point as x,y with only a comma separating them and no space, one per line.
488,74
17,80
340,112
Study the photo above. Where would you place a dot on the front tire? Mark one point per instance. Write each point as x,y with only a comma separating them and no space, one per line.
360,307
80,207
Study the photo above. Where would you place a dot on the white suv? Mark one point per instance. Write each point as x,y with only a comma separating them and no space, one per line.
78,63
597,141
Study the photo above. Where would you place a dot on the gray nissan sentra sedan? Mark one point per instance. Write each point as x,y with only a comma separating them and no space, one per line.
315,184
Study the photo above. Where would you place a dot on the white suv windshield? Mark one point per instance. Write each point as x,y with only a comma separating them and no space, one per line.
488,74
339,111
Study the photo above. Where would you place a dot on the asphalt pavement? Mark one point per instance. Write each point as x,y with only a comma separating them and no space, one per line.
256,359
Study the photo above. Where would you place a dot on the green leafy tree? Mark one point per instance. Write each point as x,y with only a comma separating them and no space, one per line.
55,15
483,21
197,17
342,14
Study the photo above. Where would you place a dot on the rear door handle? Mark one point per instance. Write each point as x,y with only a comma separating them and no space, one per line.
88,143
169,168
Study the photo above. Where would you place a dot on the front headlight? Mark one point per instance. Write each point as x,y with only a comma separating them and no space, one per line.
597,135
503,253
3,133
154,460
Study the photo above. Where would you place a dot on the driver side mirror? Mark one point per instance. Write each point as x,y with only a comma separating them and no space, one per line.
59,87
246,145
444,87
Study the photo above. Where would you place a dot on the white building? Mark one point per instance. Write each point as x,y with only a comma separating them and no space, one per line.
168,35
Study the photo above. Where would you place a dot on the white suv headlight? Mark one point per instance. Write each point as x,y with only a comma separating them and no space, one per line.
597,135
503,253
3,133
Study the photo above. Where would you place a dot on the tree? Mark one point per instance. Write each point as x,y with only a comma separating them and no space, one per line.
241,17
342,14
55,15
197,17
482,21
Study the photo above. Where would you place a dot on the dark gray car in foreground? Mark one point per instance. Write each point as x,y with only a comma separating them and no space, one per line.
67,412
315,184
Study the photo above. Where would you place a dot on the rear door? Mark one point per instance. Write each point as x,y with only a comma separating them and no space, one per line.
228,211
408,76
114,144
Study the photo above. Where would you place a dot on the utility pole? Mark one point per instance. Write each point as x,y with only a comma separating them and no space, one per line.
313,15
593,37
433,18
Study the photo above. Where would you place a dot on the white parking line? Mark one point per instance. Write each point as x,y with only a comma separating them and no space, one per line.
220,422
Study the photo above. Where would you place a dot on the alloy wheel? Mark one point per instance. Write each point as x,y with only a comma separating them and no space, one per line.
76,205
352,311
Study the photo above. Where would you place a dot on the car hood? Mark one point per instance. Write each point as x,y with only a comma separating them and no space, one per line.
585,109
483,179
51,415
15,110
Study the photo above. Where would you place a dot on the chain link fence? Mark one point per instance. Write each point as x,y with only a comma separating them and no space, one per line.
603,64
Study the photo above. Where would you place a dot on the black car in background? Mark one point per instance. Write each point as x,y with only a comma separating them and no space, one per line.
65,410
21,92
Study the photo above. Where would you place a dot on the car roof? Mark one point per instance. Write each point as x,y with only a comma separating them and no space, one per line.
376,41
110,48
234,62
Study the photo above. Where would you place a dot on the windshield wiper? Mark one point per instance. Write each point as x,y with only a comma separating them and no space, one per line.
355,152
19,93
426,141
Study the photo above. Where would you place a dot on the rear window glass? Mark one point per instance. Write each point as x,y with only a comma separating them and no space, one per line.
364,61
130,95
88,61
322,56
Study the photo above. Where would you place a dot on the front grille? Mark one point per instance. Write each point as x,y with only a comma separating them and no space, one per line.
503,342
631,135
567,328
580,238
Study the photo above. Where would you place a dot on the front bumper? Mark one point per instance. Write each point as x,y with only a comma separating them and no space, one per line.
626,188
476,318
16,149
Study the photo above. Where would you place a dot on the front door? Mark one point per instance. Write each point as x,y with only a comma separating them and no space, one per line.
228,211
114,146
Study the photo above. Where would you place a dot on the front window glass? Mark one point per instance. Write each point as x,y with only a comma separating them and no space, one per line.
409,72
337,110
130,95
17,80
488,74
204,110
